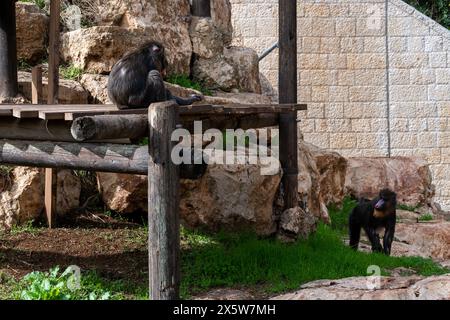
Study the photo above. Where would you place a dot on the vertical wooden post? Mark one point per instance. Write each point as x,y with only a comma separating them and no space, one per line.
36,85
163,204
8,49
288,94
52,98
53,57
201,8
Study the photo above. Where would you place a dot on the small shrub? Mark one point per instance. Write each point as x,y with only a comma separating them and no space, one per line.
407,207
184,81
71,72
39,3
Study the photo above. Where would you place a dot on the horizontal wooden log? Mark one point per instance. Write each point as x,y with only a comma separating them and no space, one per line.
109,127
96,157
40,130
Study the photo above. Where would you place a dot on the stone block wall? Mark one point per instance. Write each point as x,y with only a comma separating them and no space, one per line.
374,73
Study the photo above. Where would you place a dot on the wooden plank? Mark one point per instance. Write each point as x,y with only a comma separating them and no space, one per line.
163,205
288,94
6,111
30,111
70,116
50,193
53,58
36,84
61,114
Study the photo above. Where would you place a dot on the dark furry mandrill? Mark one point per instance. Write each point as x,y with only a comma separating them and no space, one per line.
372,216
136,80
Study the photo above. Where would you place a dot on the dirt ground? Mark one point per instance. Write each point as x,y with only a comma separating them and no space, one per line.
116,249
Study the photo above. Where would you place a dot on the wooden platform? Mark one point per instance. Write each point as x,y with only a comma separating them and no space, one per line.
71,112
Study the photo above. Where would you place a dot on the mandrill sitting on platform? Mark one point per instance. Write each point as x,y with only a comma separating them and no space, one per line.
136,80
380,213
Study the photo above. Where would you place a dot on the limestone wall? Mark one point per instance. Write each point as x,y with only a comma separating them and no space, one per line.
362,80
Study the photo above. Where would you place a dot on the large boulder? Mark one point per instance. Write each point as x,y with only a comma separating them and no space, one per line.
309,180
409,177
97,87
428,240
22,194
365,288
227,196
32,29
97,49
221,16
70,91
332,168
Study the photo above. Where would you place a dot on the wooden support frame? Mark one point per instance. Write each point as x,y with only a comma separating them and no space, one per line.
201,8
8,49
163,204
288,94
51,174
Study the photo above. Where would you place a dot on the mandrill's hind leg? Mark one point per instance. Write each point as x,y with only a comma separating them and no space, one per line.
354,233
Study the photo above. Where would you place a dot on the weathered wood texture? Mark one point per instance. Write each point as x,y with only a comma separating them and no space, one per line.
97,157
109,127
36,84
201,8
288,94
51,176
53,48
163,205
8,49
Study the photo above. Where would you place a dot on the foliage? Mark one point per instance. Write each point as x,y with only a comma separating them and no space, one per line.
438,10
71,72
426,217
27,227
39,3
54,285
339,216
186,82
407,207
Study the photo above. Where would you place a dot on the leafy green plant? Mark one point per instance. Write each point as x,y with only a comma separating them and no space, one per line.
438,10
27,227
186,82
71,72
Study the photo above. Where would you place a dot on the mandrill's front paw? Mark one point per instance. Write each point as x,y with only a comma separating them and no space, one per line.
196,97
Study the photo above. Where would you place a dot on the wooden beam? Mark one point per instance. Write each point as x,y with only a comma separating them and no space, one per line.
8,49
50,194
53,58
76,156
36,85
109,127
288,94
163,205
201,8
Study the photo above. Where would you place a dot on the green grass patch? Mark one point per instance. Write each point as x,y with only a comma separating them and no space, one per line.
29,227
426,217
186,82
231,260
407,207
70,72
339,215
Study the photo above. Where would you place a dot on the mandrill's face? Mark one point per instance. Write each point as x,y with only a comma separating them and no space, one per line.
385,205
